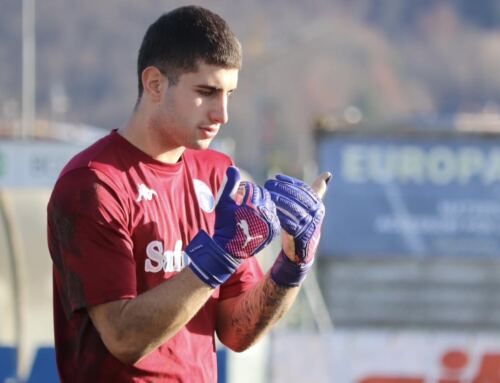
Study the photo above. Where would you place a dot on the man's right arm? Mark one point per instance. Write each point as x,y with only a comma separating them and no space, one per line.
93,257
131,328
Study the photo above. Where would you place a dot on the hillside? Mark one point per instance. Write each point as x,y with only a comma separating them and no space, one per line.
389,59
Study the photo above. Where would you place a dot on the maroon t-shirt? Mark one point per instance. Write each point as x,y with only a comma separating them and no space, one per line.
118,222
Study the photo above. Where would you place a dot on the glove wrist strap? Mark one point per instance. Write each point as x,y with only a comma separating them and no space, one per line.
210,262
287,273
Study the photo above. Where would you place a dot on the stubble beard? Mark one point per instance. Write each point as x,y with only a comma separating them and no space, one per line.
171,134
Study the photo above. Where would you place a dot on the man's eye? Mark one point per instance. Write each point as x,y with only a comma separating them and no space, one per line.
205,92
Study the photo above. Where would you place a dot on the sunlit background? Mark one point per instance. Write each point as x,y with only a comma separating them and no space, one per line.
399,99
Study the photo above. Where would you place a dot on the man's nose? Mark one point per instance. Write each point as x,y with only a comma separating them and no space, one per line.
218,113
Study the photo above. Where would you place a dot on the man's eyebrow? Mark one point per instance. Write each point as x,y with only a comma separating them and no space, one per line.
208,87
213,88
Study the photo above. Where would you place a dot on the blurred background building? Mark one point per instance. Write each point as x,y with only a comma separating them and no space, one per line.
399,99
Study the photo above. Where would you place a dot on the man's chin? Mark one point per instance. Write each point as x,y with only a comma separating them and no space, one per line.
201,144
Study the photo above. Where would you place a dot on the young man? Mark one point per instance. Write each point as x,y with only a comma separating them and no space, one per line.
152,234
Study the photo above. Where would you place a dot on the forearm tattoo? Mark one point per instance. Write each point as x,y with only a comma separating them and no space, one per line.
260,308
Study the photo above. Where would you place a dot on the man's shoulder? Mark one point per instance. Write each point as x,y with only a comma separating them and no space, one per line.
96,163
208,157
206,168
90,155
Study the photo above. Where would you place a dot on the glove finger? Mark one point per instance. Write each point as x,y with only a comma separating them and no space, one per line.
270,185
287,179
254,195
305,198
240,193
246,191
287,221
267,200
229,187
290,213
299,183
298,193
293,181
267,209
290,205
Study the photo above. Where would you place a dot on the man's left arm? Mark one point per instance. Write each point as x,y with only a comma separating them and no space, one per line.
242,320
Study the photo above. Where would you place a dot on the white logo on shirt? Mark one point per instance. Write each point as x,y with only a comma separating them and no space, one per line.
168,261
204,195
145,193
243,224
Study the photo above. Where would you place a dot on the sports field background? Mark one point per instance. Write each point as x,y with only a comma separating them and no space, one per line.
399,99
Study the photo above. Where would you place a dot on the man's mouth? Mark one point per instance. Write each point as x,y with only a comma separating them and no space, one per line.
209,131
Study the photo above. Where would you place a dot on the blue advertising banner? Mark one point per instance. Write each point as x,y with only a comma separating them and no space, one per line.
412,195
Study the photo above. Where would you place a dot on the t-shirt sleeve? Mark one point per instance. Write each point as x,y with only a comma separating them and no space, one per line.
89,241
247,275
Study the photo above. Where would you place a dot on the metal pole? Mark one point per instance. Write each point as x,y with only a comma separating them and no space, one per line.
311,288
28,106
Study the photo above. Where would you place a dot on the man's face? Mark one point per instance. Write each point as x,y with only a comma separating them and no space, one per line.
191,112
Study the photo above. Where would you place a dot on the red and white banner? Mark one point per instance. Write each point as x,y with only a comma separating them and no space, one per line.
385,357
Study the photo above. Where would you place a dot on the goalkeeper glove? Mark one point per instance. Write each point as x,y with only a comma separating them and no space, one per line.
241,230
300,212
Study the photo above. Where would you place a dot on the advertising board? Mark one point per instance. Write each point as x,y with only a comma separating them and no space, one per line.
370,356
411,195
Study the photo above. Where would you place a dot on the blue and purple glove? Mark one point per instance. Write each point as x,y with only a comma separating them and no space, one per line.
300,212
242,229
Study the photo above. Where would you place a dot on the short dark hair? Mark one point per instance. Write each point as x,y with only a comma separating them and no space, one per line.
180,39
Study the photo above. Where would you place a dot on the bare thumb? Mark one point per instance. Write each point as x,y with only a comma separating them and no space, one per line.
320,184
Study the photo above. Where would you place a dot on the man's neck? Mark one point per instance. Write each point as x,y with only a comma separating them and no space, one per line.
138,133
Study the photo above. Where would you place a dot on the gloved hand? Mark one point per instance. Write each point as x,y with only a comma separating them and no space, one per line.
301,212
242,229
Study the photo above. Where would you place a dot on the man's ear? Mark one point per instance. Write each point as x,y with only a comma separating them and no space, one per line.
154,83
